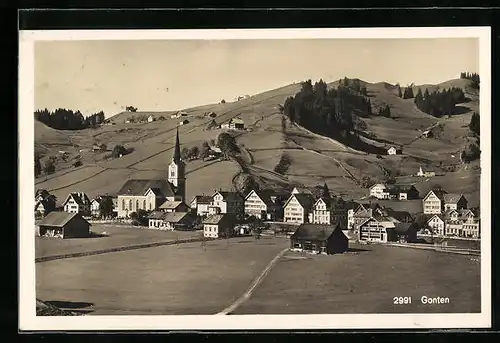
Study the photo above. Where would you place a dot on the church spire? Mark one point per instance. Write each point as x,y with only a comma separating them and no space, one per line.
177,149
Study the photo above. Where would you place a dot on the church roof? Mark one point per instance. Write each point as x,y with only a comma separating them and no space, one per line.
139,187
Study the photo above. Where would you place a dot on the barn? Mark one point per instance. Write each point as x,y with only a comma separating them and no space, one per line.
64,225
319,239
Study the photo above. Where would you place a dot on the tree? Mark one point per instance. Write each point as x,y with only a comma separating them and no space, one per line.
77,163
212,124
205,150
400,93
103,147
131,109
118,150
194,152
325,192
106,207
38,166
142,217
49,167
212,142
223,101
227,144
185,153
474,124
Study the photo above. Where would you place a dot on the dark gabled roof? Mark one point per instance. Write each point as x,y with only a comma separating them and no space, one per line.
399,215
58,219
217,218
230,196
267,195
170,205
439,193
305,200
451,198
440,216
315,231
175,217
203,199
139,187
80,200
157,215
403,228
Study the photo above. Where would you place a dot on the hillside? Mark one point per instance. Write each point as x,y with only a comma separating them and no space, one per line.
314,159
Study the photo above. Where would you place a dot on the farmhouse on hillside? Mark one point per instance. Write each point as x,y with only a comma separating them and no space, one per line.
64,225
149,194
184,122
170,221
319,239
265,204
151,118
379,191
200,204
425,173
77,202
392,151
297,208
219,225
404,192
433,202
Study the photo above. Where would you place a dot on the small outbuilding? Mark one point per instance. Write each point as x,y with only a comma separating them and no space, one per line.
406,232
64,225
219,225
319,239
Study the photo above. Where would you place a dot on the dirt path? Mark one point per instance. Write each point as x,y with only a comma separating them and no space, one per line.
253,286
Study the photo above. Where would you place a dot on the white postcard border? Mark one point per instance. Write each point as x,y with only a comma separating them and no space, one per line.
27,314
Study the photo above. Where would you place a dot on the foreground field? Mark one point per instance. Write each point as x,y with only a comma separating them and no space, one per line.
119,236
184,279
367,281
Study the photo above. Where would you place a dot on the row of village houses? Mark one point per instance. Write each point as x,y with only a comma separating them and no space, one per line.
447,214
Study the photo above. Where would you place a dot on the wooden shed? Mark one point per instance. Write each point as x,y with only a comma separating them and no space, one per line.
319,239
64,225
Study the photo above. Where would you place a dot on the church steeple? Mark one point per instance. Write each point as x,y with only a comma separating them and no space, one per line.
176,172
177,149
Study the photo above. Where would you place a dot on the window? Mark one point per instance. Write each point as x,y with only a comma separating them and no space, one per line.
123,204
137,204
172,173
144,204
130,204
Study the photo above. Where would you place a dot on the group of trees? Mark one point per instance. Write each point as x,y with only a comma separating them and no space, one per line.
197,152
227,144
130,109
474,77
326,111
384,111
120,150
64,119
439,103
48,168
283,164
474,124
408,92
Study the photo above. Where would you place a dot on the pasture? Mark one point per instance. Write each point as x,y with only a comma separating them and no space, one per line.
184,279
366,281
119,236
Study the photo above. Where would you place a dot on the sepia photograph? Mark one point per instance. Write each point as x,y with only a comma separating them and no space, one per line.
255,179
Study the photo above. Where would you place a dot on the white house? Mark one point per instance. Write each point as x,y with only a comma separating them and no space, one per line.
433,202
375,229
392,151
427,173
265,204
379,191
218,225
200,204
227,202
436,224
77,202
151,118
454,202
297,208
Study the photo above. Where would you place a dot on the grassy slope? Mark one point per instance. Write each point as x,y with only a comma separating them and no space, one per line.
315,159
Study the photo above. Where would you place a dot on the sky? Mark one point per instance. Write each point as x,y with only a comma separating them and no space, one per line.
163,75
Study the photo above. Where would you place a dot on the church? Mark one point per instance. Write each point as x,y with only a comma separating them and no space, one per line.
149,195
